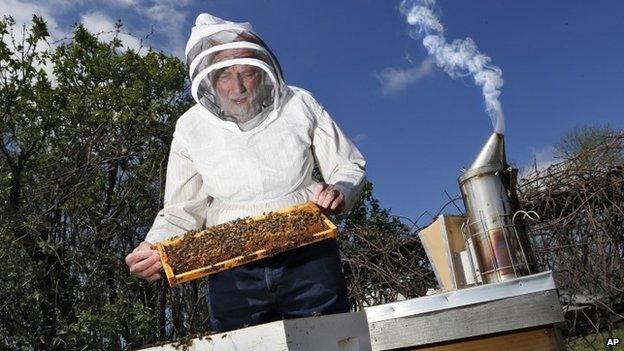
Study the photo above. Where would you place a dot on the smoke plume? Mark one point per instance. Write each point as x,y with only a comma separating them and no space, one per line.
458,58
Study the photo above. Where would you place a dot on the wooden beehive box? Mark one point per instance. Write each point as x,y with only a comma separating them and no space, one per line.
281,239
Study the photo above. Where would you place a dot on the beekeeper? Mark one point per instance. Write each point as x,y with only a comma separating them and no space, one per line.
249,146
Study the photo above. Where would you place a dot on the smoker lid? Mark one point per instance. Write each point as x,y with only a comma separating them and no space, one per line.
492,153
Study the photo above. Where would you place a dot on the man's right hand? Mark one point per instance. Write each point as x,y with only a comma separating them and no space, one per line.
144,262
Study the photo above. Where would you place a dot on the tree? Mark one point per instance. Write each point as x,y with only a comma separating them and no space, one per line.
581,142
83,157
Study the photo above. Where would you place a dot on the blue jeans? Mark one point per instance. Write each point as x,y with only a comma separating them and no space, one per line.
303,282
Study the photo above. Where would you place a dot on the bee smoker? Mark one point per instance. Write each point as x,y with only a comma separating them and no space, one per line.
495,232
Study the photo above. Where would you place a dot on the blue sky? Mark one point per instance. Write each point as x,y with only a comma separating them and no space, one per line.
561,62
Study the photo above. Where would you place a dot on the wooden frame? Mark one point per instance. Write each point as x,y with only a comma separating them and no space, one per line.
175,279
545,338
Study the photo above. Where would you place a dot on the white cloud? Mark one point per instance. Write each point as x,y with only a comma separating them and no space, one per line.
22,13
396,79
101,24
125,2
166,18
542,159
170,21
162,13
360,138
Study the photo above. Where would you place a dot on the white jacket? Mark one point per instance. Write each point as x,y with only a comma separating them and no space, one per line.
217,173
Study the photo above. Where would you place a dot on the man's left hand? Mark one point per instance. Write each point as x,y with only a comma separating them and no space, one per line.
329,198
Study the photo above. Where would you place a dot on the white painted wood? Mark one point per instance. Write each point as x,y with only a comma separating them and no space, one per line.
340,332
337,332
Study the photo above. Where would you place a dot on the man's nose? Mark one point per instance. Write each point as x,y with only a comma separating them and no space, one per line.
239,87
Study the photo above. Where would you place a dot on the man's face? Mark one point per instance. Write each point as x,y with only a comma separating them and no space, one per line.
237,87
237,91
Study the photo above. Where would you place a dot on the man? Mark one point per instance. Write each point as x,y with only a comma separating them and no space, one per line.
249,146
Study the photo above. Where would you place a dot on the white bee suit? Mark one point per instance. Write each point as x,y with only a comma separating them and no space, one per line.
220,170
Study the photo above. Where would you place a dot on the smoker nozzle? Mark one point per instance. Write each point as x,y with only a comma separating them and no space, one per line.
492,153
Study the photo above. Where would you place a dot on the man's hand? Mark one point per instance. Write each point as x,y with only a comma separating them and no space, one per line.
144,262
329,198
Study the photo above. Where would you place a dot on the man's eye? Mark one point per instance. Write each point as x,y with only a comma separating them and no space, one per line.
225,76
248,74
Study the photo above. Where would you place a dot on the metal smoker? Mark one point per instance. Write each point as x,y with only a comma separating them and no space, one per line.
495,230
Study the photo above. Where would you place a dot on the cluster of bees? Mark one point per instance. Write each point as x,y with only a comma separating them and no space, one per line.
275,232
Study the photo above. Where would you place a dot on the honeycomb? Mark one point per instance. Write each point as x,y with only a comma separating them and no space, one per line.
198,253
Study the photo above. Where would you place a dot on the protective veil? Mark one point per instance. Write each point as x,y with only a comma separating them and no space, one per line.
215,46
249,149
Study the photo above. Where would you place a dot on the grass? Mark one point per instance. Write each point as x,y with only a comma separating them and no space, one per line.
596,342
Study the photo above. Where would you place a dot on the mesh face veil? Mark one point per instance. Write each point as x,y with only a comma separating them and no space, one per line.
234,75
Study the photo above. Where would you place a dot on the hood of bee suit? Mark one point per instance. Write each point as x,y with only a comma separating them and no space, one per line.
220,55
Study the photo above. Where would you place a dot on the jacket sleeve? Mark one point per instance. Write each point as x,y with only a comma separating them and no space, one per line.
185,202
339,161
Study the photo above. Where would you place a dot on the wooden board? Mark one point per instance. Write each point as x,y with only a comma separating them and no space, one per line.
443,242
325,231
503,315
435,247
542,339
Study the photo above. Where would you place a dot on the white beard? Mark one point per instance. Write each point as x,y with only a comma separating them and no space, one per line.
248,110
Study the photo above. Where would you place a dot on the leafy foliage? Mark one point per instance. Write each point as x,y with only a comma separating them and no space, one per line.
85,130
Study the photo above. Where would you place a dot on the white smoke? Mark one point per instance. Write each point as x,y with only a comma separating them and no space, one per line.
396,79
458,58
